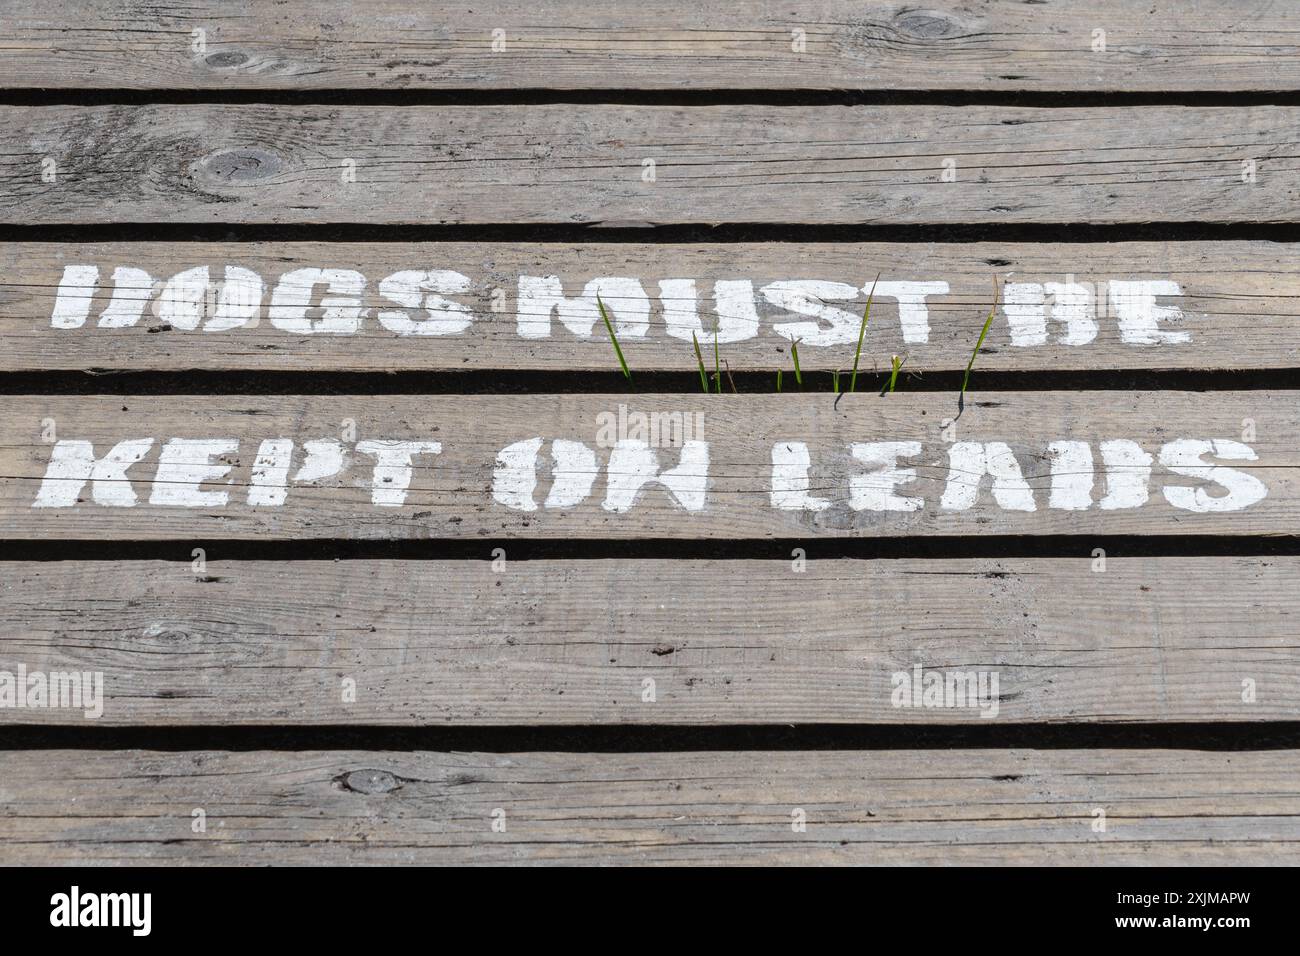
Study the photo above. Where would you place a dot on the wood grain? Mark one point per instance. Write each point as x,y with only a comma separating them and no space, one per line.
1238,303
725,642
1161,807
653,44
586,164
452,492
659,639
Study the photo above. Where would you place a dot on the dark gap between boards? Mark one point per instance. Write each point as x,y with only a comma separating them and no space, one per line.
1283,735
991,547
469,96
984,391
667,233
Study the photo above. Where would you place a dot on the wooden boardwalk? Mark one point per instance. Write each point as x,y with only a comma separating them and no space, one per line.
332,532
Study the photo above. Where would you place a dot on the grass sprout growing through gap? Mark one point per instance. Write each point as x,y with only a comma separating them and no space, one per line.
862,333
895,364
613,338
699,361
961,399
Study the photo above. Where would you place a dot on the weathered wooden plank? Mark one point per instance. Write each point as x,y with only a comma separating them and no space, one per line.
644,465
575,642
664,44
150,306
590,164
1149,807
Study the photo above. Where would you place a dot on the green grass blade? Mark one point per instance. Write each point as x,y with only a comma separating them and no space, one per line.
862,332
699,360
980,341
613,338
835,382
794,352
897,363
778,381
